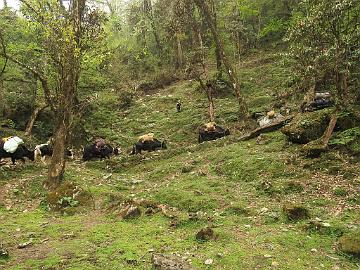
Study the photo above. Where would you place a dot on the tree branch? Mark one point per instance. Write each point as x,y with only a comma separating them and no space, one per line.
3,53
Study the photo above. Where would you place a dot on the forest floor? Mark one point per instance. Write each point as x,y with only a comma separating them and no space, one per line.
237,188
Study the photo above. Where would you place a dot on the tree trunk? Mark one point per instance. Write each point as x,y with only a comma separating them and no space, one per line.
179,52
5,3
68,86
309,96
201,44
229,69
208,91
149,13
64,115
33,118
211,103
217,51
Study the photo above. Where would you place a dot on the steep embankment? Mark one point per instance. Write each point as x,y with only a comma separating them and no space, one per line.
240,189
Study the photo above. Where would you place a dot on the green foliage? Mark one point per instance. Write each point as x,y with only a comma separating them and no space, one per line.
323,40
346,137
68,201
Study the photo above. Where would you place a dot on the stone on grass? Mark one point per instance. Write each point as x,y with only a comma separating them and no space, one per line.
4,254
350,243
169,262
131,212
25,244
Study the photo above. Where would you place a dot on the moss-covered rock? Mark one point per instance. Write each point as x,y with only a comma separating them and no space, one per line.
350,243
205,234
308,126
68,195
295,212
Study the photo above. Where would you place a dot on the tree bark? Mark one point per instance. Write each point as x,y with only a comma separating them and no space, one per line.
243,110
33,118
208,91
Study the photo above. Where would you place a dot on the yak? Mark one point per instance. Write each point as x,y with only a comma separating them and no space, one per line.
148,146
209,135
20,153
46,149
91,151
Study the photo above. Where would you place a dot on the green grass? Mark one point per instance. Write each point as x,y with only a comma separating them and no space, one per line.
238,188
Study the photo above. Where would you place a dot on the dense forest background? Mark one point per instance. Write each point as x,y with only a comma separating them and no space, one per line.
56,55
280,196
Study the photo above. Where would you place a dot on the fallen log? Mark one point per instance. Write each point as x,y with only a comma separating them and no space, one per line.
268,128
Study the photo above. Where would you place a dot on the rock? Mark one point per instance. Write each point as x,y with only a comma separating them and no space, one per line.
170,262
307,127
314,250
4,254
205,234
267,256
274,264
136,181
26,244
132,212
350,243
106,177
270,118
209,262
295,212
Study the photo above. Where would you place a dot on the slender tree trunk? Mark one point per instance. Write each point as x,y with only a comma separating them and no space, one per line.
201,44
211,103
33,117
149,13
64,115
217,51
179,52
68,85
5,3
229,68
208,91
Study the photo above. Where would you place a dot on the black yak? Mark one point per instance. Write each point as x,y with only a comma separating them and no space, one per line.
211,132
150,145
46,149
20,153
105,151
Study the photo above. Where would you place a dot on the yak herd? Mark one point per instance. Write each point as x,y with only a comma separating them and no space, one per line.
100,149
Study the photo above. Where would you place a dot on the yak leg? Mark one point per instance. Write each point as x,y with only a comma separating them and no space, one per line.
43,159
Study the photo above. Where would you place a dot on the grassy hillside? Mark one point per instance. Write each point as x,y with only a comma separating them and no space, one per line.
240,189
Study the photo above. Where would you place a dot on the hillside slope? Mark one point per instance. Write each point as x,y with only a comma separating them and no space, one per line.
240,189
